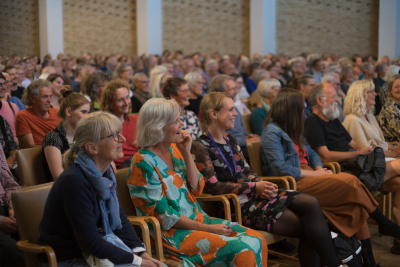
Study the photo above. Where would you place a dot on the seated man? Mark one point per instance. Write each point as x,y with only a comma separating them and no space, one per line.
324,132
33,123
10,255
16,90
226,84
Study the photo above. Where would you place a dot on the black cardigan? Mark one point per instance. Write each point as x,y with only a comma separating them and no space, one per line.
71,220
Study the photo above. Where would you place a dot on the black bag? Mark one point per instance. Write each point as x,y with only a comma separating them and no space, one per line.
348,250
369,169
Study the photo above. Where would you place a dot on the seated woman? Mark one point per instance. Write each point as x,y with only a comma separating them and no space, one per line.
389,118
195,86
93,87
289,213
267,89
57,82
73,107
115,99
362,126
344,200
83,200
8,143
164,181
177,88
303,84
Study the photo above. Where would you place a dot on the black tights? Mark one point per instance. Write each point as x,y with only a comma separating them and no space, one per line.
304,219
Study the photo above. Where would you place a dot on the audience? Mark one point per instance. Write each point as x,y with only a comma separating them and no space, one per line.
195,84
125,73
333,79
156,177
250,82
380,69
141,93
7,110
304,83
242,96
177,88
16,90
73,107
157,87
389,118
346,78
57,82
264,207
357,66
83,201
115,100
267,89
93,87
34,122
8,97
10,255
317,70
344,200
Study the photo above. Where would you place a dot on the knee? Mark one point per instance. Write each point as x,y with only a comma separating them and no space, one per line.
310,202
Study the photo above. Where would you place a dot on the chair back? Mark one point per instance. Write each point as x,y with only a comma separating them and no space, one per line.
246,121
124,196
255,159
28,205
30,166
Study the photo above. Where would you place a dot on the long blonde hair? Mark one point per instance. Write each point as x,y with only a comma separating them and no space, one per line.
355,103
90,129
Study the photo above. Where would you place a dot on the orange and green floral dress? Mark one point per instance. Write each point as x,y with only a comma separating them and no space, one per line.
165,194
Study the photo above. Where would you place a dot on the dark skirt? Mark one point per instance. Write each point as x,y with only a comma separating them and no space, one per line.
262,214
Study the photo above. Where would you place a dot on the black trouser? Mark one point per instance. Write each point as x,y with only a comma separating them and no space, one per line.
10,255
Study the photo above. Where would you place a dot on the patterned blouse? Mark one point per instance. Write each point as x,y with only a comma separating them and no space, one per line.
7,141
389,120
191,123
217,176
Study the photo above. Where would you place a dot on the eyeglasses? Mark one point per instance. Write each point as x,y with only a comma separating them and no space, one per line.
184,91
3,84
116,136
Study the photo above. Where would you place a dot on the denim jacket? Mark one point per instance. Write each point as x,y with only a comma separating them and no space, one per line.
279,156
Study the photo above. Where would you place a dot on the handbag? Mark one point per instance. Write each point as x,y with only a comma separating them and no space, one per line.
347,250
370,169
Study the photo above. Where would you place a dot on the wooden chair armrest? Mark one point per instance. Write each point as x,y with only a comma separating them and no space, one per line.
157,235
35,248
337,166
395,143
288,181
330,166
220,198
238,208
141,222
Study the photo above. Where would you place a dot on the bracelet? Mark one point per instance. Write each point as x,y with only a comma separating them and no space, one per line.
13,155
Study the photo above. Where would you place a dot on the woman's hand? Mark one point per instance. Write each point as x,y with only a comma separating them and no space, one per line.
148,261
219,229
322,172
396,151
186,144
10,161
266,190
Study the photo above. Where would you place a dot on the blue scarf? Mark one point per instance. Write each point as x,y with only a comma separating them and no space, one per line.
105,190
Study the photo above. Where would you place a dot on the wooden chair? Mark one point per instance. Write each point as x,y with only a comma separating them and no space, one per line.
30,166
126,203
246,121
28,205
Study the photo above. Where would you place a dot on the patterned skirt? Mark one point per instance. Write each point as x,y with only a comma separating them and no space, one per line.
262,214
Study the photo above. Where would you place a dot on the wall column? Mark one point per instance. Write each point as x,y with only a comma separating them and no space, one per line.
262,26
149,27
51,27
389,28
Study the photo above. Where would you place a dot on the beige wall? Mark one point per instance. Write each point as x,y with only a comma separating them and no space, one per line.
206,26
103,26
318,26
19,27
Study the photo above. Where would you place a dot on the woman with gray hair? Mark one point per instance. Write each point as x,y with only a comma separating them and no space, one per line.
195,84
164,182
93,87
84,198
267,89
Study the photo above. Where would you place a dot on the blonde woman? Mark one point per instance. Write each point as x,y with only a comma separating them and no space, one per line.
362,126
267,89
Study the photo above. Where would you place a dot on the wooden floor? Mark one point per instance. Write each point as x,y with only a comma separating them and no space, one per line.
380,245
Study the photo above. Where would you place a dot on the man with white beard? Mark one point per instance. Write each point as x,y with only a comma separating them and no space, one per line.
327,136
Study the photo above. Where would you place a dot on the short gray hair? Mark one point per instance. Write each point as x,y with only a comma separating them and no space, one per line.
33,90
91,128
210,63
316,91
294,61
265,86
191,78
121,68
153,116
218,83
330,76
258,75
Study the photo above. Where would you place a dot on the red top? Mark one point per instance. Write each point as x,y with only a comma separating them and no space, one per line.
128,147
303,157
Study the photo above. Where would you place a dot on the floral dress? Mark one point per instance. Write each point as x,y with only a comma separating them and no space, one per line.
389,120
191,123
257,213
165,194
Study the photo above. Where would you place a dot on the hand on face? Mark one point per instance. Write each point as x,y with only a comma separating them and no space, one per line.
185,145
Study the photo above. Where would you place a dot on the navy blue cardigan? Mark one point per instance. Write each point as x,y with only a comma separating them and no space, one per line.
71,220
